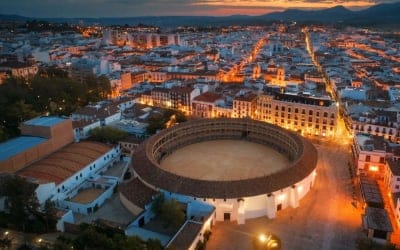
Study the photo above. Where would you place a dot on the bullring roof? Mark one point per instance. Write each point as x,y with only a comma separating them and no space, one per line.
149,171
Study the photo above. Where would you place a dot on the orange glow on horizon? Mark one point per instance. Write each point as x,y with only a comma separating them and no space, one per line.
259,7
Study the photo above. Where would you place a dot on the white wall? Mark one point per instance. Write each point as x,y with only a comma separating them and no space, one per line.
112,118
67,217
83,208
92,168
44,191
250,207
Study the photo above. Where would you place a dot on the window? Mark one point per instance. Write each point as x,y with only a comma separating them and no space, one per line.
368,158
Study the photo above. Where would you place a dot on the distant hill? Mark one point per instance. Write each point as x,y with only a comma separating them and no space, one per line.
335,14
375,15
382,14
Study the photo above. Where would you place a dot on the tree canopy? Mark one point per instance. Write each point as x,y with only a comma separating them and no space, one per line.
95,237
51,91
22,207
169,211
159,121
107,134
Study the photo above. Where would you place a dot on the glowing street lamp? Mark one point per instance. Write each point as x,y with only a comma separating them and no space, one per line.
262,238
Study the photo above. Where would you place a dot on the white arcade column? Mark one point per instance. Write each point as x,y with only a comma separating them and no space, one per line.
271,207
241,219
293,197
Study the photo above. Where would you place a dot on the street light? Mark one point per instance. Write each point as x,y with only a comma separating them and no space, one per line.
266,241
262,238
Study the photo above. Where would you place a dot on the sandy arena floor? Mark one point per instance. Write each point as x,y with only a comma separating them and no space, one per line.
224,160
87,195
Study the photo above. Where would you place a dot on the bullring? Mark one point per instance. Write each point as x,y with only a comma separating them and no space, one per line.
237,199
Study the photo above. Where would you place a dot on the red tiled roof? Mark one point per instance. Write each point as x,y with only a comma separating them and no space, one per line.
150,172
182,89
64,163
207,97
138,193
186,236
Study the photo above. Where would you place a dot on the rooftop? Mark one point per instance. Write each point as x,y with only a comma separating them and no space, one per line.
46,121
377,219
147,167
138,193
17,145
370,191
186,235
394,167
371,142
207,97
61,165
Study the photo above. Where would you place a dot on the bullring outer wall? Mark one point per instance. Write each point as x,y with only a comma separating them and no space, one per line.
241,199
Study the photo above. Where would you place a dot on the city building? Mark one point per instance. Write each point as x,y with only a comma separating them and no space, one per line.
309,115
39,137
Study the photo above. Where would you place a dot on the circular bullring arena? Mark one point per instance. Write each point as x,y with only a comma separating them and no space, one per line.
244,168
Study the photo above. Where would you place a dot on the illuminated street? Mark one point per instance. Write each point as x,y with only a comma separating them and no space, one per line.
325,219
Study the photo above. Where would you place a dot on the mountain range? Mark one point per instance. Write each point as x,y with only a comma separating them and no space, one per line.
377,15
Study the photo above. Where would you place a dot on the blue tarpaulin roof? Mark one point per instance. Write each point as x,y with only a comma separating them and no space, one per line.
46,121
17,145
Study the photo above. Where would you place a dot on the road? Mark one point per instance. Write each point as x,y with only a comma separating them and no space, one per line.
325,219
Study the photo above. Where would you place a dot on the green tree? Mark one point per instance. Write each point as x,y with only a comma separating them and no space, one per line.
107,134
169,211
63,243
5,243
157,204
153,244
50,215
95,237
159,121
172,214
51,91
21,200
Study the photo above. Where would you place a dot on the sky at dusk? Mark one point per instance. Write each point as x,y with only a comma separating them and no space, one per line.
130,8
